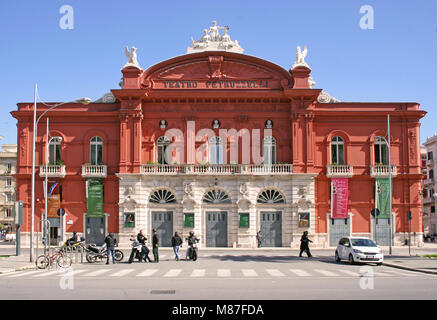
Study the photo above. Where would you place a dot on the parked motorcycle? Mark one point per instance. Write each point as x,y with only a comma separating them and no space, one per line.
192,255
136,252
96,253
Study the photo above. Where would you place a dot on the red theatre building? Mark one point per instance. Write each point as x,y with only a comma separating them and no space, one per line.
225,144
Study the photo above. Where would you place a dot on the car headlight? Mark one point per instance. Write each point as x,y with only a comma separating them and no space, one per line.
358,251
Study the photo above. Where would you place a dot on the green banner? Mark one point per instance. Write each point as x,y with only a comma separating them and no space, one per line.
244,220
94,204
189,220
383,197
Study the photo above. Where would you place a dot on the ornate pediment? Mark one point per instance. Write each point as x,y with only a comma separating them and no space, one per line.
215,71
220,69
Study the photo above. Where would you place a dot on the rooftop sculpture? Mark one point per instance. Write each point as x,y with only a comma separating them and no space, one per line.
212,40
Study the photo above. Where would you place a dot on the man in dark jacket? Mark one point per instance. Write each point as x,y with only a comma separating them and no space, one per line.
176,242
304,245
110,245
144,251
155,243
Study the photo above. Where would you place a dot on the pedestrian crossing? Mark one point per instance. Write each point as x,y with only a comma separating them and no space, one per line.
221,273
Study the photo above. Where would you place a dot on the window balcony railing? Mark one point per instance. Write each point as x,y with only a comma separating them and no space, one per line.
430,162
94,171
379,171
217,169
339,171
53,171
428,200
428,182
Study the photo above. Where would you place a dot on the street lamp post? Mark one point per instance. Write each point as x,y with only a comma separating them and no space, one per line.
35,126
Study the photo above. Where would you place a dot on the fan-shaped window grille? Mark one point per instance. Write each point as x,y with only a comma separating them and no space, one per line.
162,196
271,196
216,196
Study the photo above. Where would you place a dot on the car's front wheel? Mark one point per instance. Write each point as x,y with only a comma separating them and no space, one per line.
337,258
351,259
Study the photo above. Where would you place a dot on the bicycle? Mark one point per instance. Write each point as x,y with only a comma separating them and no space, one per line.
63,261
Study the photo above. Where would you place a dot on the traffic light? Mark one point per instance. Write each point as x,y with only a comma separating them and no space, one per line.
409,215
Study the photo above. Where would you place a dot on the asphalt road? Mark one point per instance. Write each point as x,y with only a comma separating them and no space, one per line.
221,275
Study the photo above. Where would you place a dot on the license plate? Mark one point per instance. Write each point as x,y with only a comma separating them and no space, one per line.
369,257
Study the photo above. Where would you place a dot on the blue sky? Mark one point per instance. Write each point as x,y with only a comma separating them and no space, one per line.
393,62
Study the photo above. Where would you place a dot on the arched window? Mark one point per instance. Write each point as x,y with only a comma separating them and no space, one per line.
96,150
380,150
162,144
55,150
162,196
215,150
216,196
270,196
269,150
337,150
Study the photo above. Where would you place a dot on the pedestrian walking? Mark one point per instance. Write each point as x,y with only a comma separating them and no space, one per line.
304,241
155,243
259,238
110,245
176,242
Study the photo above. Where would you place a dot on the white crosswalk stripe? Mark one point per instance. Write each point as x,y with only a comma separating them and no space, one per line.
122,273
249,273
73,272
223,273
46,273
22,274
173,273
350,273
326,273
147,273
300,273
198,273
275,273
97,273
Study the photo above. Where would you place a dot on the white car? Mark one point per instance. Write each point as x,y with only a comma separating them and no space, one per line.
358,249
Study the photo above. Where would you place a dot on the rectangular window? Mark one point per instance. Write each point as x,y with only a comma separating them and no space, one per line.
430,155
9,167
129,220
431,174
189,220
304,220
8,197
244,220
8,212
8,181
432,209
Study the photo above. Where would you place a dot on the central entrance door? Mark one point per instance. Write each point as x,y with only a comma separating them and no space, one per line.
271,228
338,228
216,229
163,223
95,230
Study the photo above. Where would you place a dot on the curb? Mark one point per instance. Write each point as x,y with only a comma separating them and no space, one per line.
18,269
392,265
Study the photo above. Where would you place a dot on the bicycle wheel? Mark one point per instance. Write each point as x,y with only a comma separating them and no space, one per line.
118,255
42,262
64,261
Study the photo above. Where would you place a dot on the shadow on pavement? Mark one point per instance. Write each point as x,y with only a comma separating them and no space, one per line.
262,258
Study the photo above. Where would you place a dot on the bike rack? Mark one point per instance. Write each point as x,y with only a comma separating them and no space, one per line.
43,223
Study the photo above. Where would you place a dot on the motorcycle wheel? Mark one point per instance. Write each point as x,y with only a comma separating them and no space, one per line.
118,255
194,257
90,258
